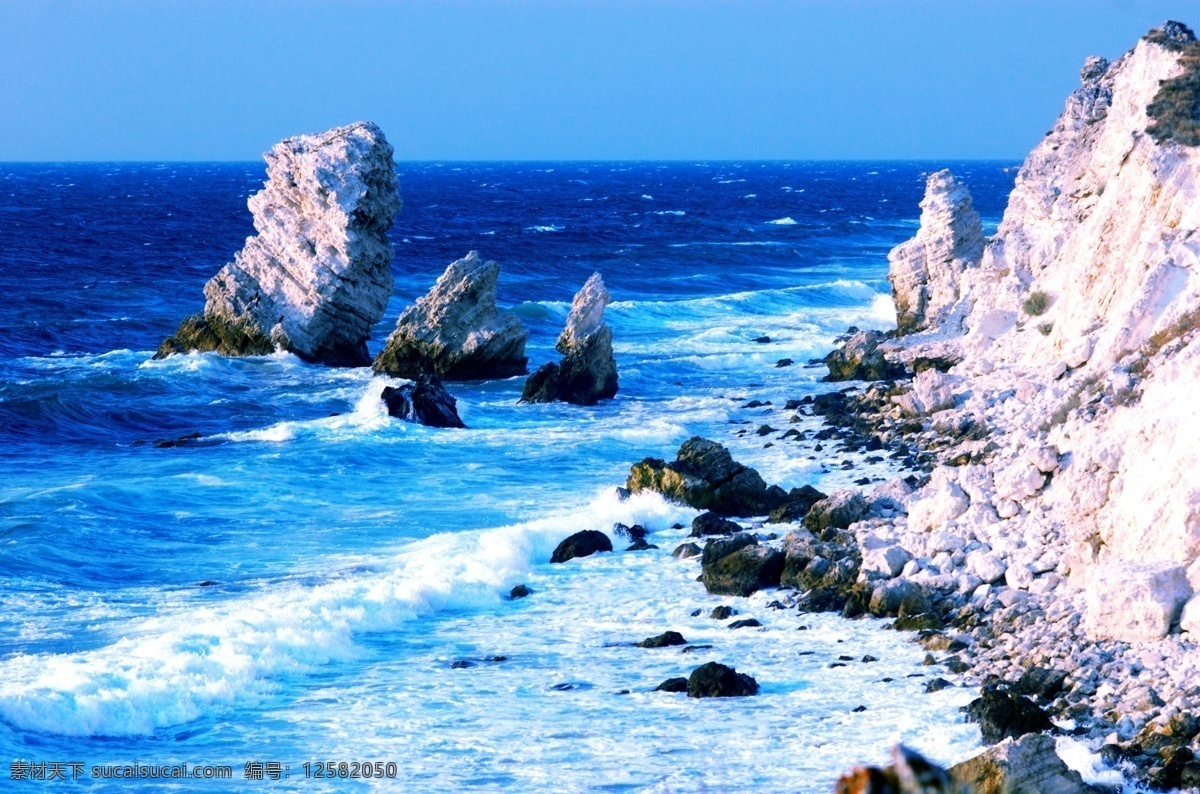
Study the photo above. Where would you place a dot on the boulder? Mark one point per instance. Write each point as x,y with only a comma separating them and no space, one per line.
887,560
925,271
678,684
839,511
715,680
588,370
931,392
1043,683
455,330
739,566
712,524
424,401
1134,601
581,544
685,550
705,476
860,358
317,274
799,501
1029,764
665,640
909,773
1001,715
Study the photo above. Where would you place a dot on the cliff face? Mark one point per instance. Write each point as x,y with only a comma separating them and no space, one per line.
317,275
1078,346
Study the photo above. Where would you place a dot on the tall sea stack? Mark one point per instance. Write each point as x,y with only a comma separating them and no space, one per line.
317,275
588,371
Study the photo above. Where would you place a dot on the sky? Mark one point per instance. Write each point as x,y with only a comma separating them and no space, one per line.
553,80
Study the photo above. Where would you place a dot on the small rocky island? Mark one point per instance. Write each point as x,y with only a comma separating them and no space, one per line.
318,274
588,370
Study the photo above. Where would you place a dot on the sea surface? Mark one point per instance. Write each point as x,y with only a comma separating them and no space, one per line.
295,582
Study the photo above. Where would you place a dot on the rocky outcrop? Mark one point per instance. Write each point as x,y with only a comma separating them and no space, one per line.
740,566
715,680
859,358
455,331
1133,601
1002,715
705,476
317,274
424,401
925,271
588,370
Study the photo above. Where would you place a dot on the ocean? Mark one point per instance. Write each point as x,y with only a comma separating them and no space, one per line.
305,580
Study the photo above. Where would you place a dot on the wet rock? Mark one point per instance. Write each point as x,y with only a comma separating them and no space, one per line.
715,680
424,401
712,524
634,533
640,545
861,359
519,591
739,566
937,685
581,544
455,331
746,623
840,510
705,476
665,640
799,502
685,550
461,664
1029,764
317,274
722,612
1001,715
1040,682
909,773
673,685
784,362
588,370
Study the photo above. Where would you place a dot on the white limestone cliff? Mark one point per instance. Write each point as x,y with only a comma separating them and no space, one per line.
317,275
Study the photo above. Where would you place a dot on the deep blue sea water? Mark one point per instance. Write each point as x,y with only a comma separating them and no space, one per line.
352,558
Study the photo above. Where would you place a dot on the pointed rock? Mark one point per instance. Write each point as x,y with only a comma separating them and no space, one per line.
317,275
424,401
588,371
455,331
925,271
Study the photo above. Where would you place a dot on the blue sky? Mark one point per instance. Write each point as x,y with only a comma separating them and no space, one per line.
543,80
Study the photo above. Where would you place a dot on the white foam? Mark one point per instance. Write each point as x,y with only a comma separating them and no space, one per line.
174,669
1079,757
549,228
783,222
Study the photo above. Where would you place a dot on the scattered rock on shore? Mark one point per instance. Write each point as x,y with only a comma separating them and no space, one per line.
317,274
705,476
455,331
1001,715
588,370
712,524
860,358
740,566
424,401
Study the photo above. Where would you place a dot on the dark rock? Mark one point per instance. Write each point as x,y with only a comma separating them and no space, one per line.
1001,715
791,405
840,510
694,648
784,362
715,680
927,620
206,583
937,685
424,401
799,502
858,709
747,623
765,430
461,664
869,658
581,544
640,545
722,612
712,524
763,340
565,687
664,640
909,773
1043,683
495,659
861,359
745,569
685,550
520,591
588,371
673,685
634,533
705,476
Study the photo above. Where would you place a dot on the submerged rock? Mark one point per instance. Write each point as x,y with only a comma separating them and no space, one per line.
588,371
925,271
705,476
715,680
424,401
455,331
581,544
317,274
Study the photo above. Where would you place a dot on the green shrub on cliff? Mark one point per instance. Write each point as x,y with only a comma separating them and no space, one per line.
1036,304
1175,110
